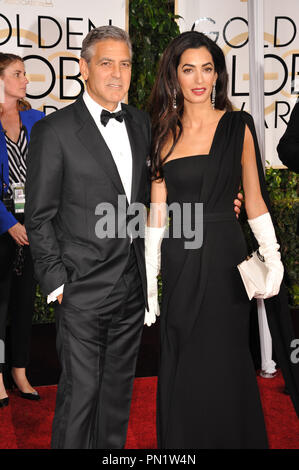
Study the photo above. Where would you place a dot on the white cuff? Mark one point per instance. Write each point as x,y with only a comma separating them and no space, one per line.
54,294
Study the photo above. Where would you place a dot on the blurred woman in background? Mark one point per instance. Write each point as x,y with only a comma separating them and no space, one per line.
17,284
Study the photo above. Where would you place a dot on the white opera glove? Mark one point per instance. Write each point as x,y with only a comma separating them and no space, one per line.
152,243
263,230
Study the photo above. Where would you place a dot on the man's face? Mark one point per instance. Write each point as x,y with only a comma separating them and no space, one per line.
108,73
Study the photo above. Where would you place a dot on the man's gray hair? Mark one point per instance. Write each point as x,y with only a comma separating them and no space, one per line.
101,34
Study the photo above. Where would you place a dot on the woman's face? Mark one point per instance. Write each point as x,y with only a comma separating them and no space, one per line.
196,75
14,80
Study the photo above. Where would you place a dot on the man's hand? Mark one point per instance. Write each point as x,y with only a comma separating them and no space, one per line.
18,233
59,298
238,204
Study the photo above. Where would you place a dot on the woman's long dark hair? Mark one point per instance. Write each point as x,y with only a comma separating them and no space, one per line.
166,120
5,60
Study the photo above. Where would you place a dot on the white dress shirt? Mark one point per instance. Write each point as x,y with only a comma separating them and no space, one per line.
117,140
116,137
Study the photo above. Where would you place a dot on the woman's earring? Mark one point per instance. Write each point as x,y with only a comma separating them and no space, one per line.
213,99
174,101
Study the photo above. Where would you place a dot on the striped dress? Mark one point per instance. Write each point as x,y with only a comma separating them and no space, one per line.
17,153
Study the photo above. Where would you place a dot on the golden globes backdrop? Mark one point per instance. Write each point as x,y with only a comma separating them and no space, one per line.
226,22
48,35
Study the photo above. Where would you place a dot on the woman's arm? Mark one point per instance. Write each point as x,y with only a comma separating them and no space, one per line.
157,213
259,218
254,202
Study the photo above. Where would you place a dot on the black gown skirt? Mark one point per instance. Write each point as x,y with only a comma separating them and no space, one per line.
208,396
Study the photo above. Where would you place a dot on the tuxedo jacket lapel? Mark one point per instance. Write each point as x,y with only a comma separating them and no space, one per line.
135,137
93,141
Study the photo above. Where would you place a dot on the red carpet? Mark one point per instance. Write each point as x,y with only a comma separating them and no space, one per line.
29,427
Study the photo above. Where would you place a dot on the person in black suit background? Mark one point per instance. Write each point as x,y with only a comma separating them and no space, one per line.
80,157
288,151
288,147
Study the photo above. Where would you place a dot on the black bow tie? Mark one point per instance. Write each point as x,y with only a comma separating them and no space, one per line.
105,116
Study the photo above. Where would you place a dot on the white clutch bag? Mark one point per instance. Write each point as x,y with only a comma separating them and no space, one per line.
254,273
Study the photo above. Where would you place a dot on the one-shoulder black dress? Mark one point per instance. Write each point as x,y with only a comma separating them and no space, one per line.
208,396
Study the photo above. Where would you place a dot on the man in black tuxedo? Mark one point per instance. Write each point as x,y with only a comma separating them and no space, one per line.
288,146
80,157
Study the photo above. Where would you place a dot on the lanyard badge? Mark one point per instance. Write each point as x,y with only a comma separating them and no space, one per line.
18,195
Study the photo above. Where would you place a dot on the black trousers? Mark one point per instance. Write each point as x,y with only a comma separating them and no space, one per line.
98,352
17,294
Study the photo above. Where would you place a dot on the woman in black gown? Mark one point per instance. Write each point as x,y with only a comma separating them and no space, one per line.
207,390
